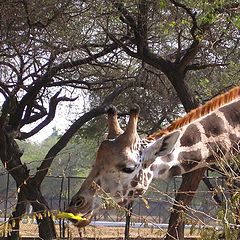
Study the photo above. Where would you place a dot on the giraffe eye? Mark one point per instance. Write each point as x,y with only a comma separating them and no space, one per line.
129,169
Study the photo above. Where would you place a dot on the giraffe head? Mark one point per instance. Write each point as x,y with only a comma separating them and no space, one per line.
118,171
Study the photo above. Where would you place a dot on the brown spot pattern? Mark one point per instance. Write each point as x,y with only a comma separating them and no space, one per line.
134,182
191,136
139,192
213,125
125,188
153,167
232,113
149,175
130,194
162,171
190,159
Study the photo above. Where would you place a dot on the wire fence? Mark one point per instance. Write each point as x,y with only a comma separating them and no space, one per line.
154,209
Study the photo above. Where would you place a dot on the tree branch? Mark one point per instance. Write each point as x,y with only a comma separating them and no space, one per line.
51,114
193,49
65,65
44,80
142,28
126,16
204,66
191,14
46,163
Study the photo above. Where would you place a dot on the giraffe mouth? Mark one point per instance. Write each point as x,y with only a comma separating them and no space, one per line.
82,223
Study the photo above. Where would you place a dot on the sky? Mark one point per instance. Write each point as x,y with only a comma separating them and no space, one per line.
65,114
59,122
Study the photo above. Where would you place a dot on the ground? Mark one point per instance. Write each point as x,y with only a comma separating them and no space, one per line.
31,230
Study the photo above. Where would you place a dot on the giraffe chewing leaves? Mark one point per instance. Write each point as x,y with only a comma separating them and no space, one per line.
126,164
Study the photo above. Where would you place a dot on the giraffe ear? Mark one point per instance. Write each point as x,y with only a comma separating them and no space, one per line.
166,144
161,147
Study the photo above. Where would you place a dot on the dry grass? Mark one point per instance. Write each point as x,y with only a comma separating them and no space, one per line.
29,231
91,232
96,232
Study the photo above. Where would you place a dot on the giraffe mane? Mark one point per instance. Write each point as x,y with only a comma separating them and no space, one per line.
201,111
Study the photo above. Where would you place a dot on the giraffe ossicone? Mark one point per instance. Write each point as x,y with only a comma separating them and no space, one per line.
125,164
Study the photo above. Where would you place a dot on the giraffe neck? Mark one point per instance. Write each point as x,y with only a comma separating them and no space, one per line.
200,143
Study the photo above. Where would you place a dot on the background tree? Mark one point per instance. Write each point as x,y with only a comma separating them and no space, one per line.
194,37
128,51
38,57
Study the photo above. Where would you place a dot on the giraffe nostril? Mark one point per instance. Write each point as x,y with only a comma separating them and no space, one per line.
79,202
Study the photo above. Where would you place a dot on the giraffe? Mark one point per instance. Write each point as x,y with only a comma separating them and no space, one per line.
126,164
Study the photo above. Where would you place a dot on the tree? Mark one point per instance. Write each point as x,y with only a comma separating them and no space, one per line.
200,34
53,51
36,61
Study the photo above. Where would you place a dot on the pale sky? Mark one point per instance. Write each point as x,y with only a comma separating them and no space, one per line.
60,123
65,114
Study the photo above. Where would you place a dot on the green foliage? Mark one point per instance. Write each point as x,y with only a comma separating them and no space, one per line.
236,21
229,216
162,4
74,160
34,152
227,221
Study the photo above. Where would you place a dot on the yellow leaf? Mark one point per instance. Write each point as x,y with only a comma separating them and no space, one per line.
40,216
34,218
70,216
53,217
48,213
145,202
28,220
13,223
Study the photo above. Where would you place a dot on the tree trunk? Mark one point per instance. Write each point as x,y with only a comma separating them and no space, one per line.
186,192
184,93
27,190
45,223
190,181
16,217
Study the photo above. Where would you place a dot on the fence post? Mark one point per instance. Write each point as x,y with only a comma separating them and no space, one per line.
68,189
61,221
6,200
128,219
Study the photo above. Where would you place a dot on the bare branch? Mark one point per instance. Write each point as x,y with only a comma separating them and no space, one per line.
121,44
73,83
192,15
8,64
46,79
54,101
189,56
4,89
65,65
45,165
126,16
193,49
204,66
142,36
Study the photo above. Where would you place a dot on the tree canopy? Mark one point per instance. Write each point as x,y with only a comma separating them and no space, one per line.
167,56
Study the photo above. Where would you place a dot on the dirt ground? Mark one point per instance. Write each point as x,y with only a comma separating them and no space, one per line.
100,233
96,232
